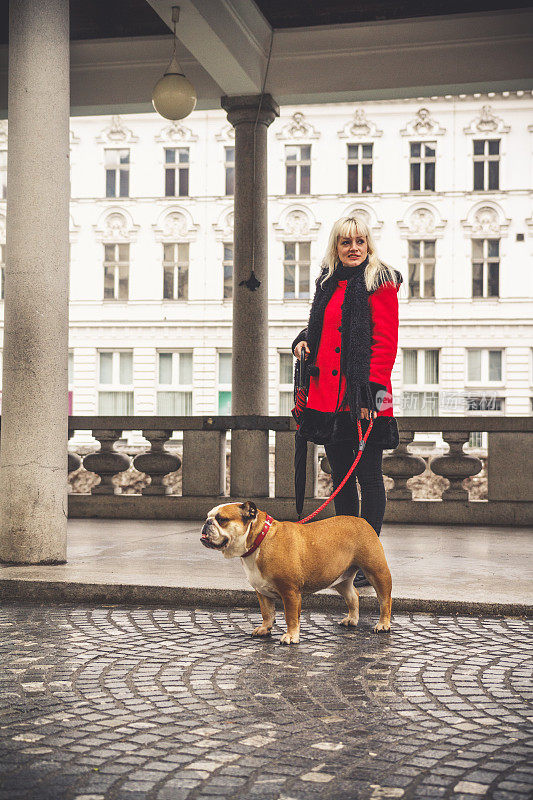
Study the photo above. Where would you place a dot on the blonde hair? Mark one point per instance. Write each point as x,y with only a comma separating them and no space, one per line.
376,271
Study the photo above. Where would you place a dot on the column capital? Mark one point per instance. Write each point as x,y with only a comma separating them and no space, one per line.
244,107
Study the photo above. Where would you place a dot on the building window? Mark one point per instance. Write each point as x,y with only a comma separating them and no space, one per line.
422,163
486,165
230,169
115,391
359,168
227,266
286,397
176,271
485,267
484,366
176,171
420,370
117,173
484,402
2,269
3,174
224,384
298,169
296,269
116,271
174,384
421,268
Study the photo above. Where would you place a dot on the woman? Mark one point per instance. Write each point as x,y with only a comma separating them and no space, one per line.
351,342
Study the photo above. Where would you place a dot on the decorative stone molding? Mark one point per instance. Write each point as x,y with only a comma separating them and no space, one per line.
298,129
117,133
359,127
455,465
486,219
3,133
176,133
296,221
423,124
116,225
486,122
422,220
156,463
226,134
73,229
369,215
175,225
224,226
402,465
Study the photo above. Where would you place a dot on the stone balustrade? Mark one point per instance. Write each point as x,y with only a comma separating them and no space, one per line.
203,453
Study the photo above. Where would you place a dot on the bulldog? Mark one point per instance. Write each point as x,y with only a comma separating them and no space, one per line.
288,559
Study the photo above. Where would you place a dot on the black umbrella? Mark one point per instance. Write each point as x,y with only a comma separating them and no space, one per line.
300,444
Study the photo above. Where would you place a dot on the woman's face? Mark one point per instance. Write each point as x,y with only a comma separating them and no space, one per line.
352,250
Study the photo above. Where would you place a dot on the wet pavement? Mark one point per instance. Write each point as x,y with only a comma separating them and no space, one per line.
109,703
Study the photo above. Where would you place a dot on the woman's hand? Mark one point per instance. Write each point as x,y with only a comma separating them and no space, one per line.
298,350
364,414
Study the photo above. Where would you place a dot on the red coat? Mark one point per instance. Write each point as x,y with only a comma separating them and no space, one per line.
326,390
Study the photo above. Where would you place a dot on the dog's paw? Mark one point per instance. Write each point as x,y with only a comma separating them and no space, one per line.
349,622
261,630
381,626
288,638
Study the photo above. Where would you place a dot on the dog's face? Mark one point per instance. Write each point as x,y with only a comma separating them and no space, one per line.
227,527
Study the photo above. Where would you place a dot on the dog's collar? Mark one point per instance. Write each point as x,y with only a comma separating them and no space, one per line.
259,538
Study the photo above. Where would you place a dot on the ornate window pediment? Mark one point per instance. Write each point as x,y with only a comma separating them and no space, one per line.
296,222
423,124
422,220
226,134
175,225
486,219
298,129
359,127
367,213
116,225
487,123
117,133
224,227
175,133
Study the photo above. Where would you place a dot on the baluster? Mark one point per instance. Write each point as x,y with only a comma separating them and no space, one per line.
157,462
106,462
402,465
455,465
74,461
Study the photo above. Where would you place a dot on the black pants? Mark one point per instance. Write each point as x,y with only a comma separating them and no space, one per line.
370,476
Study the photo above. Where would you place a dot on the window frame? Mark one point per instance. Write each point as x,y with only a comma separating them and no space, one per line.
298,262
360,161
486,158
115,386
285,388
178,167
485,263
222,386
227,291
484,367
297,163
229,171
174,387
117,265
117,168
422,262
178,266
424,161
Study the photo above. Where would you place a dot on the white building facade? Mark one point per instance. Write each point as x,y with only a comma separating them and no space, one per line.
445,183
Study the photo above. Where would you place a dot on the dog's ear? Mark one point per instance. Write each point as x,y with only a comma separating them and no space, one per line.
248,510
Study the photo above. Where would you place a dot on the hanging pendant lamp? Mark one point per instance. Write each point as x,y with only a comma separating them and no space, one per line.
174,96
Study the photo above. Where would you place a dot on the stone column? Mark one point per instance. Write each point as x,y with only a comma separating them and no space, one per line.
33,459
249,449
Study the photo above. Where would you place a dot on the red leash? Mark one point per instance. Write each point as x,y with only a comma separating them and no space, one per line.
362,443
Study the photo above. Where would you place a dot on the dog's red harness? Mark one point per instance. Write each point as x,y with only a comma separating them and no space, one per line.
259,538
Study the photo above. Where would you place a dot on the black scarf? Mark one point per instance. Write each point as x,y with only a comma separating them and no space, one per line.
356,333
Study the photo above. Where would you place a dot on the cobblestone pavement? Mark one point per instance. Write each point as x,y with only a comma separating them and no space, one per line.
163,704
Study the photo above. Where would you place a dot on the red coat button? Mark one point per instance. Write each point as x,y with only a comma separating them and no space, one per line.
337,349
335,372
